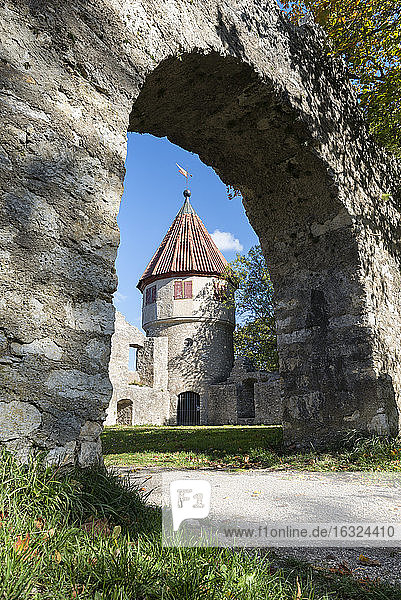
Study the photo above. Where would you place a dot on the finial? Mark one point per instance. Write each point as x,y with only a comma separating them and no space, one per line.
187,193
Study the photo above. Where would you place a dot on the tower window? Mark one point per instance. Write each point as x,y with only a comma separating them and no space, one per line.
182,289
220,290
132,358
188,343
150,295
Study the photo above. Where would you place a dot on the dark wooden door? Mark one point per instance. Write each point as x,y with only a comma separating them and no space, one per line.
188,411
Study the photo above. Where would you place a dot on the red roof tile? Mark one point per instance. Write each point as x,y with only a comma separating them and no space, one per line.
187,249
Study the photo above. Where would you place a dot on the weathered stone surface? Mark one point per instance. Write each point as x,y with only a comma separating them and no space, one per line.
62,455
248,397
18,419
257,99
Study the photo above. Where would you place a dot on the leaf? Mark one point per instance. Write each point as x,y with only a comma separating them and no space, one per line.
57,557
299,591
39,523
365,560
21,545
77,590
116,532
22,548
97,526
48,534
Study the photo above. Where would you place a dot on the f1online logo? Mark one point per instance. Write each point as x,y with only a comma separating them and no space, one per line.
190,499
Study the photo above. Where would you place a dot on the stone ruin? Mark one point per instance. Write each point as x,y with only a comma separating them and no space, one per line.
141,394
259,100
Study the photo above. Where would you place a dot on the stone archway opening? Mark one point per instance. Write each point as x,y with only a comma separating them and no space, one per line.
219,108
124,412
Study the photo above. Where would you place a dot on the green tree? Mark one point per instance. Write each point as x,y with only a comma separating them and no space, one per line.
367,35
254,336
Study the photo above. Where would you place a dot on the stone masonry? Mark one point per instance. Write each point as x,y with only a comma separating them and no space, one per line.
145,389
150,404
257,98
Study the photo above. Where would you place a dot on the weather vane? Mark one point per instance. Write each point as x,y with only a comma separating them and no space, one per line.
185,173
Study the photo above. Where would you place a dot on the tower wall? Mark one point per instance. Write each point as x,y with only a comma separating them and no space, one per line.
199,332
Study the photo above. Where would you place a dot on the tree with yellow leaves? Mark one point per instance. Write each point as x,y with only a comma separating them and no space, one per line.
367,34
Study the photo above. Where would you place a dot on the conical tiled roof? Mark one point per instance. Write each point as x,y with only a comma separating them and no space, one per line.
187,249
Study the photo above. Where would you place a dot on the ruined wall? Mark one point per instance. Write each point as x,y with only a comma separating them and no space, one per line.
124,336
260,392
150,406
222,404
255,97
269,401
146,387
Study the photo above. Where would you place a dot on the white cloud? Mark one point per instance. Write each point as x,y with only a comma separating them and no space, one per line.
225,240
118,297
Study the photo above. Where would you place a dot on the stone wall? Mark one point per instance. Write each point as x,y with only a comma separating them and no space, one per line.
150,406
268,401
222,404
258,100
145,390
145,362
248,397
124,336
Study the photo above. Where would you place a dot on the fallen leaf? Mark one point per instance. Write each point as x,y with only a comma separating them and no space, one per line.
299,591
57,557
21,545
116,531
22,548
97,526
76,590
48,534
369,562
39,523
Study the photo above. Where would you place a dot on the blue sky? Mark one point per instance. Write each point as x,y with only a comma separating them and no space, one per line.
152,197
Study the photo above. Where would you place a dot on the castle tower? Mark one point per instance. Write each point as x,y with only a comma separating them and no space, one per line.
185,299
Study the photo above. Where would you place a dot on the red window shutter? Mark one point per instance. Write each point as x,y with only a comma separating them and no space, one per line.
187,289
148,296
177,290
215,290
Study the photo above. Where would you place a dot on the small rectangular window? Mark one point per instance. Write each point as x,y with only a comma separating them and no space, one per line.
132,358
178,290
187,289
220,291
150,295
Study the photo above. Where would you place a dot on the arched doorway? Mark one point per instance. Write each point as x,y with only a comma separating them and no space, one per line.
124,412
188,409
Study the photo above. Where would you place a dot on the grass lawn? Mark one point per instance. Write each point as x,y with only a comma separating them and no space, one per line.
236,447
86,535
187,447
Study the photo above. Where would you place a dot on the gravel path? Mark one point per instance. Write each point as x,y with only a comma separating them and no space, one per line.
351,494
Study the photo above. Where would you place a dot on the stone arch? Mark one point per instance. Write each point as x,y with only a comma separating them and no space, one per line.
221,108
275,117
